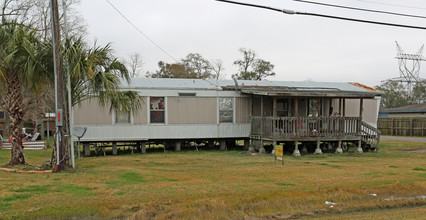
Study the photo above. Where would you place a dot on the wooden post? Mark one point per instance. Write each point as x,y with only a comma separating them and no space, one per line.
340,107
274,107
114,148
411,126
246,144
361,108
319,107
392,127
344,107
223,145
177,146
296,107
86,150
143,148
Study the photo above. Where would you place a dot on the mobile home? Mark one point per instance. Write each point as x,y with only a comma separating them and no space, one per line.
258,112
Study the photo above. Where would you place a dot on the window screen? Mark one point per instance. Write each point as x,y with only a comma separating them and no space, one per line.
157,109
226,113
122,117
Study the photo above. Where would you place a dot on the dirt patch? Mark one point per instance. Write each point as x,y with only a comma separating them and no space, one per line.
24,171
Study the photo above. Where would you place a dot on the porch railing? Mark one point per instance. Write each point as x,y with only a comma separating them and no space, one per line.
370,135
295,127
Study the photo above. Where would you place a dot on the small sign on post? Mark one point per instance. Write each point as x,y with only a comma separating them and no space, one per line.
279,153
59,118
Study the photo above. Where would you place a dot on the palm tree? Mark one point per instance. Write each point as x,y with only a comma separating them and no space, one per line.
95,73
20,68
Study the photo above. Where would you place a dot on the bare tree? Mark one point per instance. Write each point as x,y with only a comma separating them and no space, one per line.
135,64
217,68
37,14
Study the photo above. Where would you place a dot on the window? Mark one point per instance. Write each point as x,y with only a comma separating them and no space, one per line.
226,113
2,115
122,117
157,109
313,108
283,108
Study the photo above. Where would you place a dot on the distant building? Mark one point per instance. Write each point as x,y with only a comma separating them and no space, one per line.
412,111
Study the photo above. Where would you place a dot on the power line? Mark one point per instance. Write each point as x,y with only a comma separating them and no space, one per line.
360,9
291,12
141,32
402,6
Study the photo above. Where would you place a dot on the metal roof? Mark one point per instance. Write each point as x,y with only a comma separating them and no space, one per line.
252,86
419,108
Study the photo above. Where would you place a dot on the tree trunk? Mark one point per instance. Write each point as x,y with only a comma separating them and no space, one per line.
13,100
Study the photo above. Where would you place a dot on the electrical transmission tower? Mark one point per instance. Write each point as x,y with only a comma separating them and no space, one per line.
409,68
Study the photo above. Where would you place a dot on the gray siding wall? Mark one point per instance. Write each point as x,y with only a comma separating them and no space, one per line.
90,112
243,109
141,116
192,110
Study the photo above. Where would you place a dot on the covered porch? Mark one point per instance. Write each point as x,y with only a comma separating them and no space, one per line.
322,116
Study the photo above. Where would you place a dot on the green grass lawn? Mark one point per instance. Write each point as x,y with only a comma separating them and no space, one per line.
221,185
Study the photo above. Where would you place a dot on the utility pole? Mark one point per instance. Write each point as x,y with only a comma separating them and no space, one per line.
70,110
59,104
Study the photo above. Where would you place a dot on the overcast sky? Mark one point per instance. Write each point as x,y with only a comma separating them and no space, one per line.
301,47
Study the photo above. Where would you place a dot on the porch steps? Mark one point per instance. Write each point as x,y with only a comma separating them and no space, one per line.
370,137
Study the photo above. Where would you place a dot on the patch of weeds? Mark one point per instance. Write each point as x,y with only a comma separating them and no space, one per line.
137,160
132,177
214,179
307,188
394,166
4,206
249,163
127,178
169,180
422,175
157,164
77,190
326,164
56,178
15,197
6,202
285,184
419,169
34,189
373,174
264,181
89,166
122,192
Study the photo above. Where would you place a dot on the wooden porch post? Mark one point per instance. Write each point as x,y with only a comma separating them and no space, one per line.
261,148
274,107
178,146
361,108
143,147
340,107
296,107
344,107
319,106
